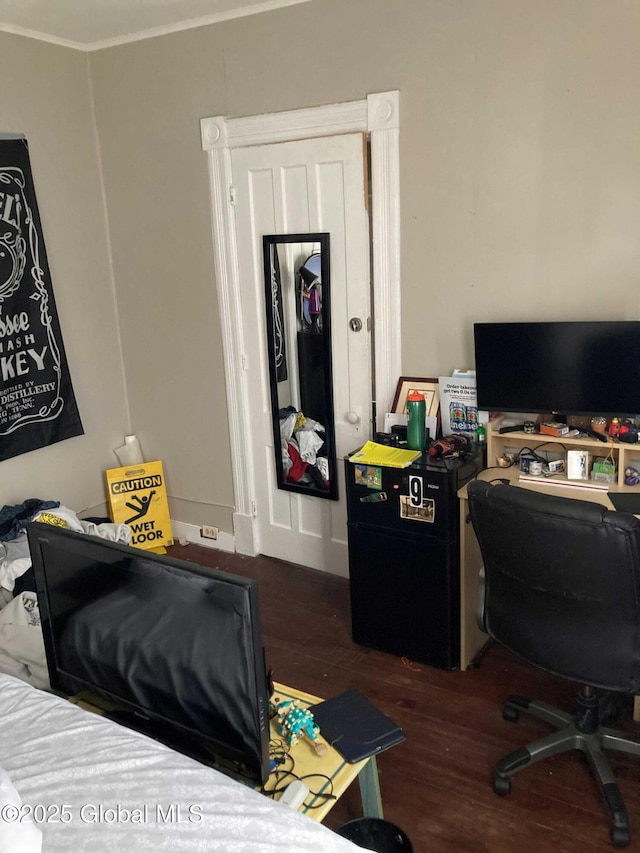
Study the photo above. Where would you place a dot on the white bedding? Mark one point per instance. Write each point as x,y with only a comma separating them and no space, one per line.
92,785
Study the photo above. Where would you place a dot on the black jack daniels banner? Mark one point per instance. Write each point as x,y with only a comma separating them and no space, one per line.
37,403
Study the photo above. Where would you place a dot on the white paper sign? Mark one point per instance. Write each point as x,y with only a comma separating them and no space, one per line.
458,407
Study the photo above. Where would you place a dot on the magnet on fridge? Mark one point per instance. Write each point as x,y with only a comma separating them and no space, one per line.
375,498
368,475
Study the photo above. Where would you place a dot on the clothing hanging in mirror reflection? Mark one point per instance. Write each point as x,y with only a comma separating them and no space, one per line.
279,341
311,294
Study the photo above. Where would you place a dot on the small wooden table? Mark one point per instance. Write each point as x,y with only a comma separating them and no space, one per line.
332,765
335,774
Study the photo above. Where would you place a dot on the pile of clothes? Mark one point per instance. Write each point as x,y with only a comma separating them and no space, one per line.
21,645
303,449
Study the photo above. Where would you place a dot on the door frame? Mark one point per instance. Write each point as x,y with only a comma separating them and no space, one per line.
378,116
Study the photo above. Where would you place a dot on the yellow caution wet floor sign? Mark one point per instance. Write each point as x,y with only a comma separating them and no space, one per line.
138,497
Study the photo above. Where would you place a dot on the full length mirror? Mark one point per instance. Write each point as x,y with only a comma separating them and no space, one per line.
298,318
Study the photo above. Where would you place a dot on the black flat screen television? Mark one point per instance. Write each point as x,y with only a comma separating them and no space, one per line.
579,368
174,648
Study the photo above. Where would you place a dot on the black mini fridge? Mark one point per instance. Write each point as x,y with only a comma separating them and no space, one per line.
404,557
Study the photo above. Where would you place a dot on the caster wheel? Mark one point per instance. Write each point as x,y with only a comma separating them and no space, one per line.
619,837
510,714
502,785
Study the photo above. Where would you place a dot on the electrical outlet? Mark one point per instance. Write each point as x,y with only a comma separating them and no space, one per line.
208,532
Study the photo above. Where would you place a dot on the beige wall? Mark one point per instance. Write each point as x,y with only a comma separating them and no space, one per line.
46,95
520,196
520,182
148,103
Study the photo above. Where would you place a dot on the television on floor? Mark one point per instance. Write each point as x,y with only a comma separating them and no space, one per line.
578,368
166,646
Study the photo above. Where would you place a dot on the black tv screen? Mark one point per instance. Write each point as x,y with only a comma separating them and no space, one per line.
176,648
581,368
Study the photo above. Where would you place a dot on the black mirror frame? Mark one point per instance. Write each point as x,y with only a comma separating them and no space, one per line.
323,239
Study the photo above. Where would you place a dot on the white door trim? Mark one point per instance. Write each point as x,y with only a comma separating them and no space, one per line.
379,116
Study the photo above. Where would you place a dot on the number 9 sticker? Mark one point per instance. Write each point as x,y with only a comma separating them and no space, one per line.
416,494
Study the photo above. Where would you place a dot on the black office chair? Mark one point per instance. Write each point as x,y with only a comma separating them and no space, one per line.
562,591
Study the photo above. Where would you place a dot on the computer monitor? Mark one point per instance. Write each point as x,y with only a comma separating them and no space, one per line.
580,368
174,648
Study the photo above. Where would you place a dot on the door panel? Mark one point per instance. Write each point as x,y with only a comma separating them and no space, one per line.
300,187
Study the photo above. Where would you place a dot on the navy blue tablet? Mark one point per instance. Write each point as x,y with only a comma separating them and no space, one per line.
355,727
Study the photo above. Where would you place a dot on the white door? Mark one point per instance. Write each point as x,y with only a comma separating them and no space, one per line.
314,185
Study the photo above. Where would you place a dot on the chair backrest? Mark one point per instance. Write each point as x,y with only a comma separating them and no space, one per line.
562,586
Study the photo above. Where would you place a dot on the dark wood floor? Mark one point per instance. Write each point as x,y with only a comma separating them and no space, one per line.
436,784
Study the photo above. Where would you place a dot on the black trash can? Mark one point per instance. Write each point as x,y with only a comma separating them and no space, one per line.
376,834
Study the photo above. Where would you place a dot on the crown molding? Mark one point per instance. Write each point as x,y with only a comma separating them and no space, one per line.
151,32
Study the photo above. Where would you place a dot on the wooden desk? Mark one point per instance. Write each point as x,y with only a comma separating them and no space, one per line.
472,639
332,765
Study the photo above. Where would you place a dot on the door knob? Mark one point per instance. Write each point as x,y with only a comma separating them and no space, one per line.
355,324
353,418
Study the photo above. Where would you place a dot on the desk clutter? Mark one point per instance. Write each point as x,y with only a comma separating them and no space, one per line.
349,722
572,465
595,453
317,748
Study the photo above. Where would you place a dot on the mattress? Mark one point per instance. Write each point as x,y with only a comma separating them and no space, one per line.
92,785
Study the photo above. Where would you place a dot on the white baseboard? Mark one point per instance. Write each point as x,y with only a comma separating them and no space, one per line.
191,532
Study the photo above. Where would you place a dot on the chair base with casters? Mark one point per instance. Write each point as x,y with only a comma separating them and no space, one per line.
582,731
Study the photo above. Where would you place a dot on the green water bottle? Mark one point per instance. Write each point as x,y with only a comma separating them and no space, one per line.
417,409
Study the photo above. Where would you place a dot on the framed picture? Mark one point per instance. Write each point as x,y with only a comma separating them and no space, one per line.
428,387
